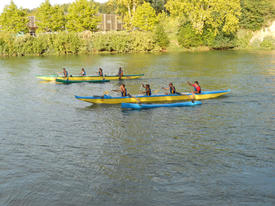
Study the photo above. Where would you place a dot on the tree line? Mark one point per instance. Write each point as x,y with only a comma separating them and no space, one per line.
192,23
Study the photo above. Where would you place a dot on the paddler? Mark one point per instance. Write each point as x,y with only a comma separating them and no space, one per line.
197,87
83,72
100,72
171,88
120,72
65,72
147,89
122,89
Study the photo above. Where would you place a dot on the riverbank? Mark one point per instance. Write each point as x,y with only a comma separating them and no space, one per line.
67,43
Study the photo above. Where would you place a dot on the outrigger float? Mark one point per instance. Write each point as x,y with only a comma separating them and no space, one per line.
67,81
88,78
106,99
149,106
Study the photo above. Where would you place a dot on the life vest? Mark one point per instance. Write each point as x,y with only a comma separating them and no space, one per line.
100,73
172,90
148,92
197,88
120,73
124,93
65,73
83,73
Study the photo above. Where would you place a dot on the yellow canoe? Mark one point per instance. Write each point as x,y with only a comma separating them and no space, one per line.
106,99
88,78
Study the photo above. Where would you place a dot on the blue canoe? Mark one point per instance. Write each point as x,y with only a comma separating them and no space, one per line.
148,106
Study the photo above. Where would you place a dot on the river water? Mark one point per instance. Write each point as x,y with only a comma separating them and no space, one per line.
56,150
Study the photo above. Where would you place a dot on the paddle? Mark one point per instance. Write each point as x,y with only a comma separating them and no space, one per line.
193,95
134,98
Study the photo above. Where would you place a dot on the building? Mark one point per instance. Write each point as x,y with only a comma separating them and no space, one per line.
110,22
31,25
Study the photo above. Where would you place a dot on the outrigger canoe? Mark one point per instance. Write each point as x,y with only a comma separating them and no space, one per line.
67,81
106,99
149,106
86,78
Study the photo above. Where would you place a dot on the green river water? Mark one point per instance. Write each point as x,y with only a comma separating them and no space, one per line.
56,150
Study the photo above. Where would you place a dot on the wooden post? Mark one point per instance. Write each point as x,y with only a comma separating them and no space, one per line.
116,22
104,22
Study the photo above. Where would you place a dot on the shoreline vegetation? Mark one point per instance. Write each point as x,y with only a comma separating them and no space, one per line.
166,26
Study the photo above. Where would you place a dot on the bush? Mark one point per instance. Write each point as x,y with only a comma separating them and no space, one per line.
243,39
64,43
187,36
268,43
224,41
161,37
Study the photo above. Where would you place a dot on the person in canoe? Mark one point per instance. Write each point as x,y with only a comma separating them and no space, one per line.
83,72
65,73
122,89
100,72
171,88
197,87
120,72
147,89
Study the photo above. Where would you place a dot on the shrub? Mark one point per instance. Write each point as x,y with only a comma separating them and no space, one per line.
187,36
268,43
161,37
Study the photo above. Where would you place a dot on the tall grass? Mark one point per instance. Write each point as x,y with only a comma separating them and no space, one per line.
64,43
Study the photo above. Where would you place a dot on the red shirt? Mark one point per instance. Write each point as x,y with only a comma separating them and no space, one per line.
197,88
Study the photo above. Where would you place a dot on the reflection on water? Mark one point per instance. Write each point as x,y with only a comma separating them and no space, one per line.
56,150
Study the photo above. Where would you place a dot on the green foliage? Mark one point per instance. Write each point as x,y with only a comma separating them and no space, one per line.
161,37
268,43
218,15
124,42
243,38
187,37
158,5
256,13
50,18
125,7
145,17
13,19
224,41
64,43
106,8
82,16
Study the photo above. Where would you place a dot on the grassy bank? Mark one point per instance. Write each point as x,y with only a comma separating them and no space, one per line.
65,43
77,43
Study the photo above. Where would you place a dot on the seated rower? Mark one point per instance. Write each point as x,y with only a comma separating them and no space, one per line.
122,89
171,88
147,89
100,72
65,72
83,72
120,72
197,87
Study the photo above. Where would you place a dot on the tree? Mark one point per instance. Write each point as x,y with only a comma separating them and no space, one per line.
82,16
158,5
161,37
216,15
13,19
50,18
256,13
145,17
126,7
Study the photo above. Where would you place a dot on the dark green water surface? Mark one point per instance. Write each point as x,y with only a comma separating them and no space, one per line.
56,150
